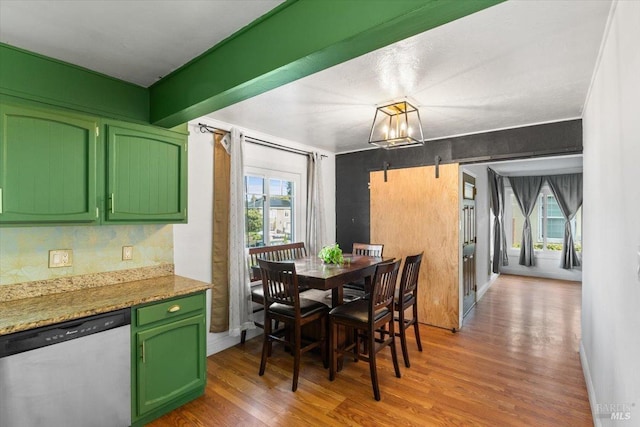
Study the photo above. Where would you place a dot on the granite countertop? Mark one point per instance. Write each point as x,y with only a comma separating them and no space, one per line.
32,312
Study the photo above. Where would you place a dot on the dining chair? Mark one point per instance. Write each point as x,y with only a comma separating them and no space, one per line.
272,253
355,290
368,249
282,302
407,297
372,322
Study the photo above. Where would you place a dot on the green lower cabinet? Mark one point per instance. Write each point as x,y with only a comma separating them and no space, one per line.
169,356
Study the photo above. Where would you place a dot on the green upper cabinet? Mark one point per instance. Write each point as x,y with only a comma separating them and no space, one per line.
47,166
146,174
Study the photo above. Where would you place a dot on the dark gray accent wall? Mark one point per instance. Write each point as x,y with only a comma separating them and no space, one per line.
352,169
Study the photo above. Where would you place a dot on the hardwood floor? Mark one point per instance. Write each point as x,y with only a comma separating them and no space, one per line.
514,363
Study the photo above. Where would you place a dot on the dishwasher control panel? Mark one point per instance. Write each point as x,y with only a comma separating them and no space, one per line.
20,342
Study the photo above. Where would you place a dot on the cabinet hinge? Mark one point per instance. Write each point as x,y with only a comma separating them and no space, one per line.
97,212
97,131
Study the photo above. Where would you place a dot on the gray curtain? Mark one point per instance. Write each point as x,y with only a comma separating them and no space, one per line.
567,190
526,190
496,189
505,258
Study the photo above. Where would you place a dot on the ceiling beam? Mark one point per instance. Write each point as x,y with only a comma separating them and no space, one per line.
296,39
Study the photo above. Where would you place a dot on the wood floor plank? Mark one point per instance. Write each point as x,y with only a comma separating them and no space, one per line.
515,362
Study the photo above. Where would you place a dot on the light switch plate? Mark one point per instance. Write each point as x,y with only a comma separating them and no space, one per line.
60,258
127,253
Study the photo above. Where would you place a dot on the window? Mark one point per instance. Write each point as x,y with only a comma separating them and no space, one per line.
547,223
551,225
269,210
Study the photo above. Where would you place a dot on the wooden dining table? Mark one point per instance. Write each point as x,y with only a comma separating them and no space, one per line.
313,273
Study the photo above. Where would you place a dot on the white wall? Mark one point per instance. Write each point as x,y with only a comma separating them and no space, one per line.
610,348
193,241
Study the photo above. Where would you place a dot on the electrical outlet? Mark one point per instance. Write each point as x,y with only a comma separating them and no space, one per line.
127,253
60,258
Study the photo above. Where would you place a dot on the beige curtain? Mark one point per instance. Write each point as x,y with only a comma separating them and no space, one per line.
220,265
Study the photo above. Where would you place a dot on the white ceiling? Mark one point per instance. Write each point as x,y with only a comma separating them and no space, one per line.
138,41
517,63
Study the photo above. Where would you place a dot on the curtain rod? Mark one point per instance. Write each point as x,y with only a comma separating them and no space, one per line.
206,128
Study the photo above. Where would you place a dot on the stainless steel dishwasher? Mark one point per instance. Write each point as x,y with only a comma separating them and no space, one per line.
76,373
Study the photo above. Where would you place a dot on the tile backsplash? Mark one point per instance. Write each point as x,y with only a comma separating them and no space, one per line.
24,252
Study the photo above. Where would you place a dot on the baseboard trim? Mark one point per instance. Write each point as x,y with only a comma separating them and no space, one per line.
484,288
590,390
222,341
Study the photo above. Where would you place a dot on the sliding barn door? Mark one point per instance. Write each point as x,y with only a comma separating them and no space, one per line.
413,211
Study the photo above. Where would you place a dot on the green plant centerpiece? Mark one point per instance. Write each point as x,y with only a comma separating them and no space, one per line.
331,254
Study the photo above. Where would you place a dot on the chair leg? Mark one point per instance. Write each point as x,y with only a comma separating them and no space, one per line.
296,357
372,366
243,336
333,340
403,337
266,347
324,348
416,328
394,355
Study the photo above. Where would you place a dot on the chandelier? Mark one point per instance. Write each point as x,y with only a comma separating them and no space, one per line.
396,125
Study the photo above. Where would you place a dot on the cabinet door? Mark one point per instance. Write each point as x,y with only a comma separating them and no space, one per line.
146,175
171,362
47,167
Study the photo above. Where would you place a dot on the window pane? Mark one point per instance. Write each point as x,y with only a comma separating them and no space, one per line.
254,208
553,210
555,228
555,225
280,211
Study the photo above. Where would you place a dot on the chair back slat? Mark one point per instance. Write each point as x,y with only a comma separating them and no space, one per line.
284,252
384,285
279,282
410,272
367,249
